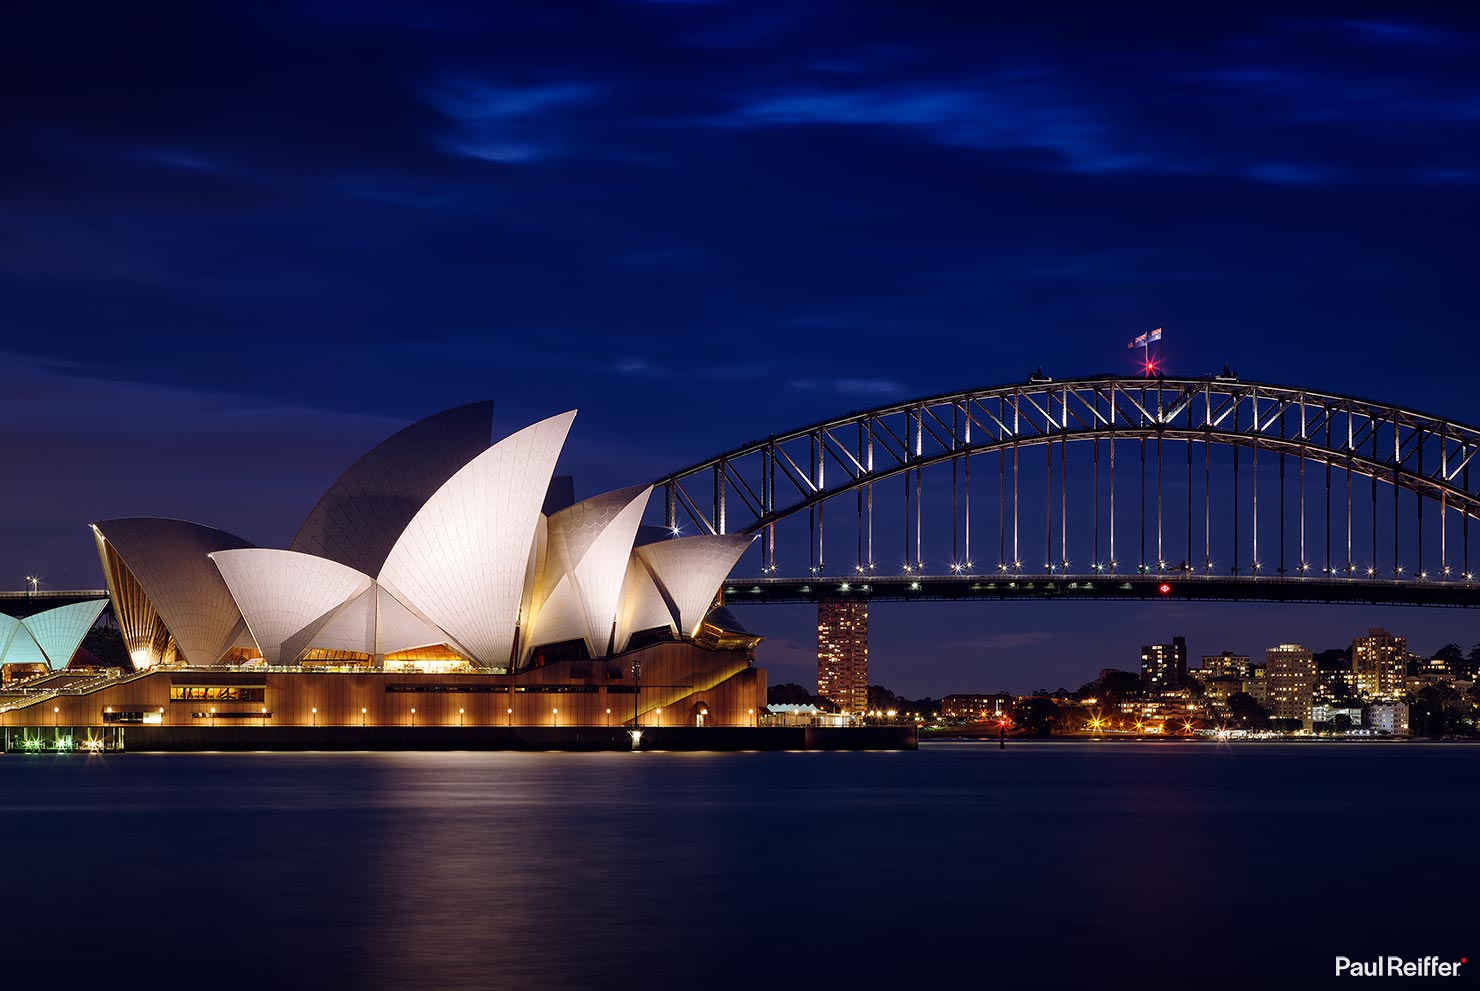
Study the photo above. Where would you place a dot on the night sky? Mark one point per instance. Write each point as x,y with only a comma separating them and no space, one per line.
243,242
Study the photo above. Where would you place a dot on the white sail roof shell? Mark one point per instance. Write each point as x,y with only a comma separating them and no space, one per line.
59,632
168,559
358,520
17,646
643,606
589,544
287,597
688,572
461,561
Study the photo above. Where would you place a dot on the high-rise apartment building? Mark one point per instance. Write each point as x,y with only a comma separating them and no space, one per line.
1164,665
1290,676
1225,665
1379,664
842,654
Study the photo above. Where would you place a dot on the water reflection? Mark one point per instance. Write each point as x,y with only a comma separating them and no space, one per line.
1050,862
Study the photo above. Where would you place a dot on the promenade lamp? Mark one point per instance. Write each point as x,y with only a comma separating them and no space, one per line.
751,714
413,715
510,712
56,714
213,715
608,718
460,716
264,716
636,694
362,715
554,717
659,711
315,711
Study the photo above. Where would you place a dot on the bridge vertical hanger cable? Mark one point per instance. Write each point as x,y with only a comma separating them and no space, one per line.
1418,503
1282,494
967,468
1328,493
1465,522
1095,499
955,507
1161,558
858,561
1237,502
1048,501
812,516
869,464
1375,566
1113,560
1187,556
1064,496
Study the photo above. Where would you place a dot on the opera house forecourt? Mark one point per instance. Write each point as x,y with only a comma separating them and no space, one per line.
442,593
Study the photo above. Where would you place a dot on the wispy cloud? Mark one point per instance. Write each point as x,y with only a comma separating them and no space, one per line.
507,123
850,386
1022,111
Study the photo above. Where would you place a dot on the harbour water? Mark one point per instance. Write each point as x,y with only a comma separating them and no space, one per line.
1052,864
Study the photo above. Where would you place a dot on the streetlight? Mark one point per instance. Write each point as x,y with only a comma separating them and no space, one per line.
34,582
56,714
659,711
608,718
554,717
413,715
636,694
510,711
751,714
264,716
459,717
362,715
315,711
213,715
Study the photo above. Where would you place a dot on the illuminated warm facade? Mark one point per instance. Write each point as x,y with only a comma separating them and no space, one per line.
430,570
1290,680
1379,664
842,654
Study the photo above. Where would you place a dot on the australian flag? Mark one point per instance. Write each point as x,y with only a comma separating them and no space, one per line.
1145,339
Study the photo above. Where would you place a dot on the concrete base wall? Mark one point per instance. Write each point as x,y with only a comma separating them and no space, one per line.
343,738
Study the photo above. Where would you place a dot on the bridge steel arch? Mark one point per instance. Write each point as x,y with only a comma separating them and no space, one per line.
757,485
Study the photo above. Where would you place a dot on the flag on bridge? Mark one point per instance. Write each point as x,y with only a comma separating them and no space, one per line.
1145,339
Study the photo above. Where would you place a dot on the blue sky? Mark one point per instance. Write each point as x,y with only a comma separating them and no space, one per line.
241,242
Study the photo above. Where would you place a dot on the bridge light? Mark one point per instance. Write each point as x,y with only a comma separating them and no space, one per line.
1423,574
1447,569
1164,588
675,530
968,565
1469,576
1398,570
1304,566
1257,565
914,586
1371,572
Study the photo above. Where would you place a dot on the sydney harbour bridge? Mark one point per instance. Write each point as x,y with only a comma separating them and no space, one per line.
1100,488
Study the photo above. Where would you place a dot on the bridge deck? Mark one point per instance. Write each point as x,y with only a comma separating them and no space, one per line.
905,588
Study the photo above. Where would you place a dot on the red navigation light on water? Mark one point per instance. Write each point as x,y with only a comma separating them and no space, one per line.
1164,588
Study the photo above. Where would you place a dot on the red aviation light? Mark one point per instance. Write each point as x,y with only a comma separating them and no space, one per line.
1164,588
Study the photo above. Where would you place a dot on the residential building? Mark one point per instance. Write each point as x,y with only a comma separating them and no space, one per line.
1164,665
1291,680
1388,717
842,654
1379,664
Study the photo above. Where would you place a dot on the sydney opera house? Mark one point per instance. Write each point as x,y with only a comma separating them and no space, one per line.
443,580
